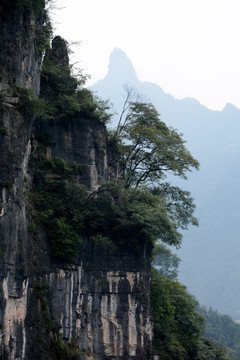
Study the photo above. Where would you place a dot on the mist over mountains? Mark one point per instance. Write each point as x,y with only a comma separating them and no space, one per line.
210,254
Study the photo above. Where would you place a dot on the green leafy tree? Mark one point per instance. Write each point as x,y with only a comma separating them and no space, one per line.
165,262
223,330
177,323
58,204
129,218
178,327
211,350
150,149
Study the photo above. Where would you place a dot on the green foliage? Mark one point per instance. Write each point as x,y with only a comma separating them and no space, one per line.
56,168
58,204
56,80
64,97
149,150
124,220
177,324
223,330
164,261
44,34
94,107
28,104
174,308
149,147
178,327
210,350
44,139
40,289
164,289
64,239
113,216
65,351
178,203
118,215
128,217
58,200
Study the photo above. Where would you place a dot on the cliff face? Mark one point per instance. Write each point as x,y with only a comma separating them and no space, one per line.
20,41
100,303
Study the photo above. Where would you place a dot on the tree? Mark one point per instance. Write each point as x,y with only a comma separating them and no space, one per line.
223,330
149,148
211,350
177,323
165,262
149,151
178,327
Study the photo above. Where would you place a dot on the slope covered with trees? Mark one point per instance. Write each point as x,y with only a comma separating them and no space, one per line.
180,328
223,330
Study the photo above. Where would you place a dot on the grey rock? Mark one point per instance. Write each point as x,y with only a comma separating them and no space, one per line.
101,302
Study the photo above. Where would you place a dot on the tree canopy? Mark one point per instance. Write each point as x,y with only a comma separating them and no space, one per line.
177,324
181,331
150,149
223,330
165,262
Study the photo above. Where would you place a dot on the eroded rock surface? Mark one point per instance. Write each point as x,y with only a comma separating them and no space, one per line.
101,302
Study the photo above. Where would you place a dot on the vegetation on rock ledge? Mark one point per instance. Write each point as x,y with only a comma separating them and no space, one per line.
138,208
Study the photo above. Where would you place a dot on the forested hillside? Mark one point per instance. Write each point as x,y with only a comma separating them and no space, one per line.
223,330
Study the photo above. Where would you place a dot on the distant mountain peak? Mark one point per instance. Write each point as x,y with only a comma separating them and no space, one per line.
120,65
230,107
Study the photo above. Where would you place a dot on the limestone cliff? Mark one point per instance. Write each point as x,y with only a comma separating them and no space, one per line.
100,301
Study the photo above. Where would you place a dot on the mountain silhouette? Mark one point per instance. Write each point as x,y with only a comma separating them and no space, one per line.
210,253
119,64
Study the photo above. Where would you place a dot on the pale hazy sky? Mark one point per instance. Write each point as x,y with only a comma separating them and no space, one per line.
191,48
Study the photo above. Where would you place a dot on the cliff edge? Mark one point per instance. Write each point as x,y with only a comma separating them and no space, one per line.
95,305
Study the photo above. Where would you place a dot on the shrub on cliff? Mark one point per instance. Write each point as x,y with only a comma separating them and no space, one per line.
58,200
63,92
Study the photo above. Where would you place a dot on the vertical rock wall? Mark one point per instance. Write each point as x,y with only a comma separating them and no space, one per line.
20,58
101,302
19,65
82,142
101,305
